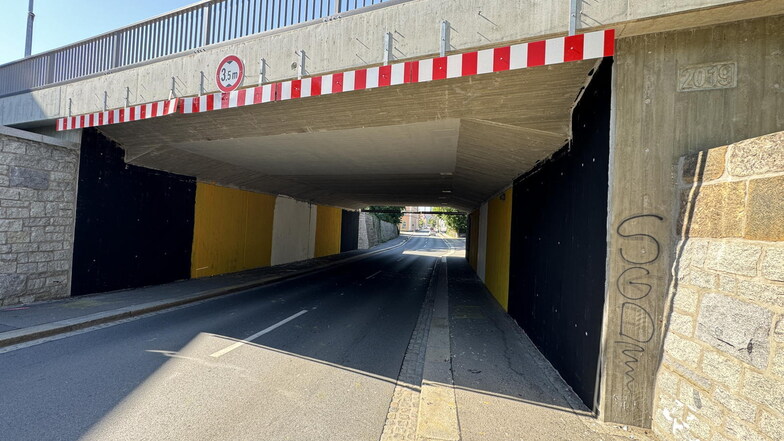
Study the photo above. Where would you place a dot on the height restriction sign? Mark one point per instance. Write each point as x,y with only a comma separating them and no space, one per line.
230,73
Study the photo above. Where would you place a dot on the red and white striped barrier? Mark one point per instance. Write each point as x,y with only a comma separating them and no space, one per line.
227,100
519,56
133,113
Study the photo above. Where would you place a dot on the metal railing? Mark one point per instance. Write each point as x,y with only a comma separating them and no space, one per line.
191,27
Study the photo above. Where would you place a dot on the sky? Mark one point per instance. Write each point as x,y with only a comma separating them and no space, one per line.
61,22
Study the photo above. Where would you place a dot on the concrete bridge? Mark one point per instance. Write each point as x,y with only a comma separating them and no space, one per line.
577,134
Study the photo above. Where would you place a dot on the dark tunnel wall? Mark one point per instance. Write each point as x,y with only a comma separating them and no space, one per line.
349,231
134,226
558,246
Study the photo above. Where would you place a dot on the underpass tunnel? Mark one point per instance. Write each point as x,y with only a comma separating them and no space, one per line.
525,152
623,202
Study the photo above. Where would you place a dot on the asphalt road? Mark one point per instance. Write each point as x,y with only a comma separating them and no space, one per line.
325,353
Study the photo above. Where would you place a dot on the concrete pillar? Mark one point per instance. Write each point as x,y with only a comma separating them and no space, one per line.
675,93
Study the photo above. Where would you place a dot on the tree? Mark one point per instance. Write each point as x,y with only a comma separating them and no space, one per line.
455,222
393,218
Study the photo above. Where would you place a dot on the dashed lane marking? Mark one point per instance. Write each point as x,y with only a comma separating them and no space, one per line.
228,349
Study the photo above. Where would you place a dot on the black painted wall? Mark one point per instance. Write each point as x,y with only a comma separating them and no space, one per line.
349,231
559,244
134,226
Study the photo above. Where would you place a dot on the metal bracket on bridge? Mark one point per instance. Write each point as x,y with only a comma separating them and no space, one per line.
262,71
301,67
444,38
574,12
173,92
387,48
105,101
70,102
201,83
127,96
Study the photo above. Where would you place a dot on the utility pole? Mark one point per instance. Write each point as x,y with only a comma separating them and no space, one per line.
29,41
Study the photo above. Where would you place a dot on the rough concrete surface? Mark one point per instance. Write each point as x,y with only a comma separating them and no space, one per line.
293,231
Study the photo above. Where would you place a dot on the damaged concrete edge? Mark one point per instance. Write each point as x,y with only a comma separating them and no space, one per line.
437,418
30,136
24,335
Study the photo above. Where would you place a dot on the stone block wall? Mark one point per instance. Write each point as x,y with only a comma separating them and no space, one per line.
38,178
722,372
387,231
373,231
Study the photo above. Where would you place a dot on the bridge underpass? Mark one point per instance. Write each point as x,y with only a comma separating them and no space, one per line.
591,250
454,142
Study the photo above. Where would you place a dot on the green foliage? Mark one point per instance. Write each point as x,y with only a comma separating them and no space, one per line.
393,218
455,222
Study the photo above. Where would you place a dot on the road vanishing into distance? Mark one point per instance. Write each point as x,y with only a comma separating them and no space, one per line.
310,358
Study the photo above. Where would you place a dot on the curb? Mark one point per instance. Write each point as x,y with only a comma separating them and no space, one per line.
437,414
24,335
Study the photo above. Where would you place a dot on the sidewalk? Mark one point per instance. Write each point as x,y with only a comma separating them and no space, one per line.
22,323
504,387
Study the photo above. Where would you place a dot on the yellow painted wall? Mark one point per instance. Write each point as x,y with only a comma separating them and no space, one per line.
328,230
232,230
499,235
473,239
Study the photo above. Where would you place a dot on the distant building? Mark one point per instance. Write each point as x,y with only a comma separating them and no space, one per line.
414,221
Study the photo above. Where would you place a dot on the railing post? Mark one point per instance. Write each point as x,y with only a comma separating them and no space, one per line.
118,42
205,32
337,6
50,59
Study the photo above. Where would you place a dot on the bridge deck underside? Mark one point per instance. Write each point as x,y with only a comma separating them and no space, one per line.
453,142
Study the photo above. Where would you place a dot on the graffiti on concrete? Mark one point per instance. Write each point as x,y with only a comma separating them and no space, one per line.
629,286
638,251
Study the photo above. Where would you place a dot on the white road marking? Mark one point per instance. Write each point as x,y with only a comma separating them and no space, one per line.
371,276
451,248
228,349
